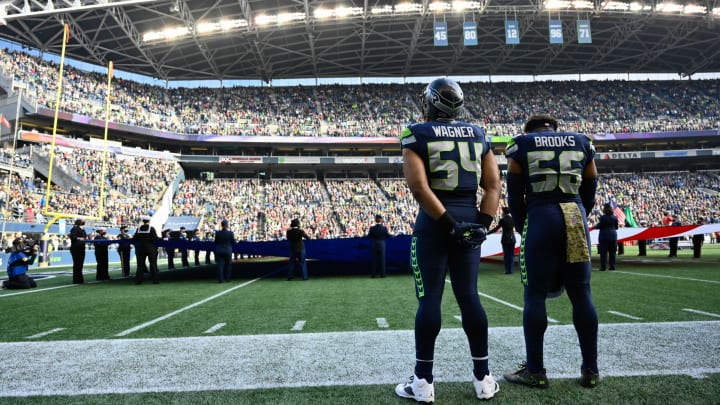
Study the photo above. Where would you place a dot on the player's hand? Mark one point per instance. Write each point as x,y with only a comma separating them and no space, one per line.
469,234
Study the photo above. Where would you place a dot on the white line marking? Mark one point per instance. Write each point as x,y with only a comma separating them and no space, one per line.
215,328
299,325
490,297
498,300
38,290
49,332
673,277
171,314
701,312
105,366
382,323
624,315
458,317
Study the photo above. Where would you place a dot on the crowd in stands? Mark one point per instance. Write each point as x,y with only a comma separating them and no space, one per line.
369,110
329,208
133,185
336,208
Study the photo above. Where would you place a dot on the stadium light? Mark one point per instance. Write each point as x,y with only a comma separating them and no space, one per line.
408,8
342,12
386,9
264,19
693,9
635,6
615,6
583,5
716,11
669,7
322,13
289,17
459,6
556,4
439,6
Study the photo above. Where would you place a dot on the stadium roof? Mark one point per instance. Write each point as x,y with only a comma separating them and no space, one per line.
292,39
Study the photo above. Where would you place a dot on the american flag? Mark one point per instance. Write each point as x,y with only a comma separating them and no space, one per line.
618,212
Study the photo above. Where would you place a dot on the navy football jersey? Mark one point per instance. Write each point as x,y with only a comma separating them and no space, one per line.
452,153
553,164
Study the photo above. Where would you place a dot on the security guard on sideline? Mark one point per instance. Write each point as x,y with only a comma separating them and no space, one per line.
378,233
124,250
144,240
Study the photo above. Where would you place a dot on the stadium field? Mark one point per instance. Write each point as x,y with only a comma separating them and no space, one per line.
348,339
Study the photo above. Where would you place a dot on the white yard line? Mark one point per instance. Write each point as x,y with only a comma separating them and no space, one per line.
42,334
498,300
382,323
299,325
171,314
36,290
78,367
695,311
661,276
624,315
215,328
490,297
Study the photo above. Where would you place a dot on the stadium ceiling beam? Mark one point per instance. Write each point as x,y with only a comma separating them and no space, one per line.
90,45
698,63
33,8
263,66
621,34
182,8
127,26
363,39
310,28
416,32
674,36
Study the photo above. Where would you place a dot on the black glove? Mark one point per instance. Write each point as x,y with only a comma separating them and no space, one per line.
468,234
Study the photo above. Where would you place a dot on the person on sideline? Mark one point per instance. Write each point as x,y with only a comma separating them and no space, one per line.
196,238
674,241
445,162
77,237
551,186
607,227
124,247
144,239
295,236
182,236
101,255
19,261
507,240
224,241
642,243
377,234
697,241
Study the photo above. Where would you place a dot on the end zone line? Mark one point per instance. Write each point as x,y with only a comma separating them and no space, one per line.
171,314
673,277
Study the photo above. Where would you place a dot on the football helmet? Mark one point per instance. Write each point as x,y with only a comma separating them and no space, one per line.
442,99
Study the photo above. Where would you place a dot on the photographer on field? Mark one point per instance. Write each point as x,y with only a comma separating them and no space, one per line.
23,254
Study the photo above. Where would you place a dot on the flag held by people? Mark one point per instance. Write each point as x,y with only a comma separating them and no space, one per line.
618,212
4,121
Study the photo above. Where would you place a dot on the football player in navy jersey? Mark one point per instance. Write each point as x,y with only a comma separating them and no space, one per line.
445,161
551,185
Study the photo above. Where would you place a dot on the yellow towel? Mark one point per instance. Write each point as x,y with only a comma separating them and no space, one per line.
577,244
